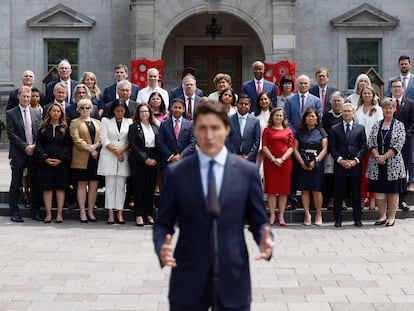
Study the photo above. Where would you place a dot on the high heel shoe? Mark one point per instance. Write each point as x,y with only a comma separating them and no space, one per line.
120,218
307,220
390,224
92,219
150,220
318,220
139,221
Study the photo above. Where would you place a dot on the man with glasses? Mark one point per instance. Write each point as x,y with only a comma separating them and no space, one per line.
244,137
405,113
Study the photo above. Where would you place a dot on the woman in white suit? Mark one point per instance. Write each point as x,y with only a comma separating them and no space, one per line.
113,161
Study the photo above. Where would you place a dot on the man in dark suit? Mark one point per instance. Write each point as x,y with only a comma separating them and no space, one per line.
190,96
348,145
28,79
404,113
244,138
64,72
124,89
178,91
22,125
175,137
60,92
110,92
258,85
297,104
190,193
407,79
322,90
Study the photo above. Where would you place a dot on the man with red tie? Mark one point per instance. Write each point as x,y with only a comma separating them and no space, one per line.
322,90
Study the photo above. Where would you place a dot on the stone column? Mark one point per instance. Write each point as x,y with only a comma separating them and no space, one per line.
142,28
284,31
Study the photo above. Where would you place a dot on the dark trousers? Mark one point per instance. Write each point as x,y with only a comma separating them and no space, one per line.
144,179
347,179
17,166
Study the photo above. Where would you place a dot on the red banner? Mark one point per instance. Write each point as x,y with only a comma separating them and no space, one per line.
139,68
275,72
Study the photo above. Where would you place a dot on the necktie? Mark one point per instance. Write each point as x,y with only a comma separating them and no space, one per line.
68,87
213,203
242,123
348,132
177,128
323,100
189,110
302,105
28,126
259,87
397,106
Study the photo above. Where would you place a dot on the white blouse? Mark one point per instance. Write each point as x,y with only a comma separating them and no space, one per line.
149,136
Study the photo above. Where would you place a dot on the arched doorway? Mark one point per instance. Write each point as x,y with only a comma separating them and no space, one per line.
232,52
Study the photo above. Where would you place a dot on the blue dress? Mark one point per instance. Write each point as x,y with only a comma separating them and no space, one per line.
310,145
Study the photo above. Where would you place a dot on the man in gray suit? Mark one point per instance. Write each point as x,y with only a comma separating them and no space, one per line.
244,138
22,125
404,65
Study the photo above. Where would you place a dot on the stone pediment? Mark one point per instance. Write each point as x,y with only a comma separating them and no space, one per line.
60,16
365,16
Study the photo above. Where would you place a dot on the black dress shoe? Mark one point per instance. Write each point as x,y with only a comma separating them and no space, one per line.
380,222
338,223
16,218
140,225
357,223
47,221
404,206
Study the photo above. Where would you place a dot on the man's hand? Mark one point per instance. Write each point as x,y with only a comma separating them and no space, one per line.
166,252
266,245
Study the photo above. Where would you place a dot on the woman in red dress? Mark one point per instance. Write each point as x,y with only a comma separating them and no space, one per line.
277,147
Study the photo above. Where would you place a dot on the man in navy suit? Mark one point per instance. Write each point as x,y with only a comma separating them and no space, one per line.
239,198
60,92
244,138
175,137
22,125
297,104
322,90
110,92
28,79
347,145
124,89
178,91
259,85
405,113
64,72
190,96
404,65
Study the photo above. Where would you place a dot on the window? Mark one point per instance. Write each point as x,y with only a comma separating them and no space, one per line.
362,55
63,49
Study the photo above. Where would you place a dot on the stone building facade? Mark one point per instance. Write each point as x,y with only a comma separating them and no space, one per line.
314,33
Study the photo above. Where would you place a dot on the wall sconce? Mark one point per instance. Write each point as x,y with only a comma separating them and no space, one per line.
214,29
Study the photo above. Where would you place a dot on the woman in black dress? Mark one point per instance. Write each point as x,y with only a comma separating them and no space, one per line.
143,159
311,146
53,153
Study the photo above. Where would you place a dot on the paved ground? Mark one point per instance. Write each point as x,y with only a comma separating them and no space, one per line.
73,266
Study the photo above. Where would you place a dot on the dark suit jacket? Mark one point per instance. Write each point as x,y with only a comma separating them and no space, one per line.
16,134
409,91
178,92
49,97
136,141
109,93
195,103
14,100
293,112
406,116
249,88
241,199
250,142
314,90
169,145
355,148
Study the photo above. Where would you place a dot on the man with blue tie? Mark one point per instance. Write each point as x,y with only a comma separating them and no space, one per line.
210,187
244,137
347,145
175,137
259,85
297,104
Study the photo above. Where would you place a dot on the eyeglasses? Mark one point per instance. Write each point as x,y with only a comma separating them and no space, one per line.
144,111
85,108
396,86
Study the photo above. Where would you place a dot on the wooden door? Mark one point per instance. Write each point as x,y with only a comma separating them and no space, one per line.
210,60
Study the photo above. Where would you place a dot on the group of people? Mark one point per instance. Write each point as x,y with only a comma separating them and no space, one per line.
313,140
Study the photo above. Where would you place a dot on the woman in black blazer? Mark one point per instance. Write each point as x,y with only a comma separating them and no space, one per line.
143,160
